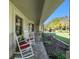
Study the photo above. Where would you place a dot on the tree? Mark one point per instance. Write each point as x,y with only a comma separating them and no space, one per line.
58,23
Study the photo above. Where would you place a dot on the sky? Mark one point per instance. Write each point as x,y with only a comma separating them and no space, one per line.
61,11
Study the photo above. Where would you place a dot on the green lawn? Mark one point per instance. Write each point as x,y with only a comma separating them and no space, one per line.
64,39
66,35
62,36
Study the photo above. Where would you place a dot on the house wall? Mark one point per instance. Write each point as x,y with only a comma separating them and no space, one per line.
13,11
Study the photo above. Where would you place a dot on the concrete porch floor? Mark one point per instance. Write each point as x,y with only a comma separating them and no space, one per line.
39,52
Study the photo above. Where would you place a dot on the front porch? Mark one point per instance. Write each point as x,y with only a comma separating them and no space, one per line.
47,48
33,13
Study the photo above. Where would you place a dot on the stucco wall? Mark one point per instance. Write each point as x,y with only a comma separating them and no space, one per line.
13,11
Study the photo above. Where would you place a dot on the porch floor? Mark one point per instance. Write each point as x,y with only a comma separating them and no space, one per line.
39,52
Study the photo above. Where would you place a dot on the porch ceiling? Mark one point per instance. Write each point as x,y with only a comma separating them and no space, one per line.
37,10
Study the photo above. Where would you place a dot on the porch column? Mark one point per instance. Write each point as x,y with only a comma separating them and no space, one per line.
37,33
36,28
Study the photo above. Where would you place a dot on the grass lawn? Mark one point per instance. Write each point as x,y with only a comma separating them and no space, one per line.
64,39
62,36
66,35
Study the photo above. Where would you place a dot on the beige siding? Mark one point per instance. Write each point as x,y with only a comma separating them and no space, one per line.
12,12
